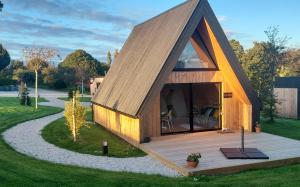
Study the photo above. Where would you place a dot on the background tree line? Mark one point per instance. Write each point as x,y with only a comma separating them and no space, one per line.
265,61
77,67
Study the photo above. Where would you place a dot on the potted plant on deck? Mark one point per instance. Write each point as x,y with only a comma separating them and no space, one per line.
257,128
193,160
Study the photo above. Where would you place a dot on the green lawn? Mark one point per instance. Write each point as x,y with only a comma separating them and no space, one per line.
282,127
89,140
11,112
20,170
81,99
40,99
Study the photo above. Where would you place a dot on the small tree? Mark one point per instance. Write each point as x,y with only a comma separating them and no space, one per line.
24,95
75,115
109,59
36,59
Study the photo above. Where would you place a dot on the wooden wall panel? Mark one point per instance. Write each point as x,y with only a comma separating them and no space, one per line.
124,126
195,77
150,120
235,111
287,102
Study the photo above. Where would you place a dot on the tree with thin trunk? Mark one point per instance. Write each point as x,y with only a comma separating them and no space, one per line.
36,59
75,115
275,52
109,59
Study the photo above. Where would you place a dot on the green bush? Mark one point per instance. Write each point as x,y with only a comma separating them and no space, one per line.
24,98
59,84
7,82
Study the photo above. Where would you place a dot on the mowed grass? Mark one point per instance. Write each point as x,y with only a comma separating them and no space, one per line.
20,170
11,112
81,99
89,140
283,127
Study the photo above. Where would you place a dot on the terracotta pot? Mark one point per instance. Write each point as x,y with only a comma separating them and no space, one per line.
257,129
192,164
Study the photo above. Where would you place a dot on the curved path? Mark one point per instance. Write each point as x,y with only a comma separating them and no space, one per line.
26,138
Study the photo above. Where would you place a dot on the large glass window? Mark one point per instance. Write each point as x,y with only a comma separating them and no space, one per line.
194,56
190,107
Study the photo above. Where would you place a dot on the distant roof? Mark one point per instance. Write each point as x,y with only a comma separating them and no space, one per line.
287,82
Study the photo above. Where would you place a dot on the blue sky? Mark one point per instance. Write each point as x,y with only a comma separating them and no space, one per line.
101,25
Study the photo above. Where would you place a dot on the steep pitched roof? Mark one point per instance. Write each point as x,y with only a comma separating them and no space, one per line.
141,59
150,54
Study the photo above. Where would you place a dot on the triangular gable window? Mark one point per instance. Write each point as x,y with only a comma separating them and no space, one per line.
194,57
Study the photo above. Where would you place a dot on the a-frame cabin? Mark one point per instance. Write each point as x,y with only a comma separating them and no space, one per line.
176,73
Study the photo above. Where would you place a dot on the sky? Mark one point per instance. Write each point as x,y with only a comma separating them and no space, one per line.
101,25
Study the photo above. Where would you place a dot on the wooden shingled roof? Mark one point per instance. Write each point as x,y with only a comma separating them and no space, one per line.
149,55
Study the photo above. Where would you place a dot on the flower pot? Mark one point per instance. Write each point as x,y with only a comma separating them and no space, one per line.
257,129
192,164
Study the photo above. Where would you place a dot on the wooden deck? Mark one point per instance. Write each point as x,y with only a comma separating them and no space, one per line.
173,150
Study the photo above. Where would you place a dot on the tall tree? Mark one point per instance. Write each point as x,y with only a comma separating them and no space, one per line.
82,63
37,58
1,6
275,50
4,58
16,64
256,67
292,67
238,50
108,58
263,63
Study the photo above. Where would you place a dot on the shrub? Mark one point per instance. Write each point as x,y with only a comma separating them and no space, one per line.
59,84
7,82
194,157
25,99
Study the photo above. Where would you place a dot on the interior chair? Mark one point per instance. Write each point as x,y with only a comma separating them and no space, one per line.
166,121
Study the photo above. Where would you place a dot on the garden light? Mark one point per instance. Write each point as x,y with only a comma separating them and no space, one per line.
105,147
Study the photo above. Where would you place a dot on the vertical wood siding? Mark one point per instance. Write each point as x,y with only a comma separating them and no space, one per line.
287,102
124,126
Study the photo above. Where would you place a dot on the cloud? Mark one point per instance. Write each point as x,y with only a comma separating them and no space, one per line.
71,9
237,35
15,49
38,30
222,18
24,18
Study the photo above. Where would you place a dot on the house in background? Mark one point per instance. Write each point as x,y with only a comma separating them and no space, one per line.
94,84
287,93
176,73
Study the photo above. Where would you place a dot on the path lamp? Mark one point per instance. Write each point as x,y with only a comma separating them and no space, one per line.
105,147
1,6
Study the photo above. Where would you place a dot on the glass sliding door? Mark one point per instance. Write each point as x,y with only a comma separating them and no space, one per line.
206,106
190,107
175,108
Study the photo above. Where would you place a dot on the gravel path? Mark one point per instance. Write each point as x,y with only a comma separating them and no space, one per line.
26,138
